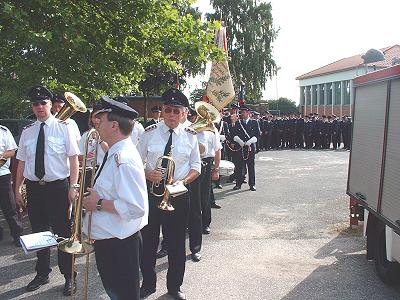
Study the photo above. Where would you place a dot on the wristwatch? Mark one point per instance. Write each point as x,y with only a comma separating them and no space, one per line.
98,205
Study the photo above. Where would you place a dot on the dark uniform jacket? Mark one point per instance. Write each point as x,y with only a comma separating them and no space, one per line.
246,131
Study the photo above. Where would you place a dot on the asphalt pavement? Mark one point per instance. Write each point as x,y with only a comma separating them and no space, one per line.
288,240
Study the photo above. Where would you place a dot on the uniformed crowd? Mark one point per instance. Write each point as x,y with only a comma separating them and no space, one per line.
313,131
133,176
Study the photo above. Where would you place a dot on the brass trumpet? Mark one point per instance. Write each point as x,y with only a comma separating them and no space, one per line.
167,178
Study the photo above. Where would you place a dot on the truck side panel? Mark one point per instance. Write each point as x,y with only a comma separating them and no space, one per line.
368,137
391,184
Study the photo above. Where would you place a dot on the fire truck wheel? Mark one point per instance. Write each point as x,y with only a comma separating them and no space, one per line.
388,271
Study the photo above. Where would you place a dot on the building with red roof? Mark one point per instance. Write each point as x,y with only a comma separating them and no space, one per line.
329,90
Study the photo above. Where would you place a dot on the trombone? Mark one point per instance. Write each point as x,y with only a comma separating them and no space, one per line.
75,245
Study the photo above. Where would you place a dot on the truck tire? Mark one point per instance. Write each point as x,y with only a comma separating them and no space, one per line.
388,272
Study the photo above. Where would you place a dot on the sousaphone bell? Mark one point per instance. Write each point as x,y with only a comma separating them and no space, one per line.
207,115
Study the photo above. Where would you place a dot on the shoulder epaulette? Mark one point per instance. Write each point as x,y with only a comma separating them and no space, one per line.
3,127
27,126
117,157
150,128
190,130
62,122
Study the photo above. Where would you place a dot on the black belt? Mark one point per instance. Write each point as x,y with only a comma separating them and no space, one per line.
42,182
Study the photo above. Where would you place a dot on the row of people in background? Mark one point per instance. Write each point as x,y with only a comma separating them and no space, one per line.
313,131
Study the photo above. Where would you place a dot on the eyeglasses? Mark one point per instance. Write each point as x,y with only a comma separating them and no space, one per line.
43,103
176,111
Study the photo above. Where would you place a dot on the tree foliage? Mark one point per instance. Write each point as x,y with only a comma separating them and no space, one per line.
250,34
99,47
284,105
197,94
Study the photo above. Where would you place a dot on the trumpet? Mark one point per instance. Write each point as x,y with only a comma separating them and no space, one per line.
159,189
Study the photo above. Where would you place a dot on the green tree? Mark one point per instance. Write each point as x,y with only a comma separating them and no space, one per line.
98,47
284,105
250,34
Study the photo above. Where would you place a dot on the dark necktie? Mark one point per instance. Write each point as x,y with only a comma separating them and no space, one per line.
101,167
167,148
159,189
39,157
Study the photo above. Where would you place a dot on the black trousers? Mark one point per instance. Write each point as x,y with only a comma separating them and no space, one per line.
118,265
174,228
8,207
195,227
242,164
205,189
48,208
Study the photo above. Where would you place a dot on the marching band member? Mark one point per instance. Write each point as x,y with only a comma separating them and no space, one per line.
210,158
138,128
156,114
48,155
99,148
168,137
195,227
246,133
118,202
7,199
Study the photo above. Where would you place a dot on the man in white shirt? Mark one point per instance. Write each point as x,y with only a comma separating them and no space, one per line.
48,155
168,137
118,203
7,199
211,158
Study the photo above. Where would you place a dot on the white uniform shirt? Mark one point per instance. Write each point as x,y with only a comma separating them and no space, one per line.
211,142
7,142
93,146
75,128
137,132
122,179
60,143
185,150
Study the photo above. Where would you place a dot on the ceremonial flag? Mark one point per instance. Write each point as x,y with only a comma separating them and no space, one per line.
220,91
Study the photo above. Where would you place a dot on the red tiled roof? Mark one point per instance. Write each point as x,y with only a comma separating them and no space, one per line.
353,62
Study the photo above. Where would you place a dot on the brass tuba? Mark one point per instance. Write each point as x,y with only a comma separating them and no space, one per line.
76,245
207,115
73,105
167,178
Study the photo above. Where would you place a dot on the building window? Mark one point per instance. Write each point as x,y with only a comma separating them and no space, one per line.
346,100
329,94
322,94
338,94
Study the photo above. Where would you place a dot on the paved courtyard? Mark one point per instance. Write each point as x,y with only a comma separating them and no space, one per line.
288,240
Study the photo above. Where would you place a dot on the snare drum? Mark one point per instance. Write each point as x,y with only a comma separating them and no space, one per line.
226,168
